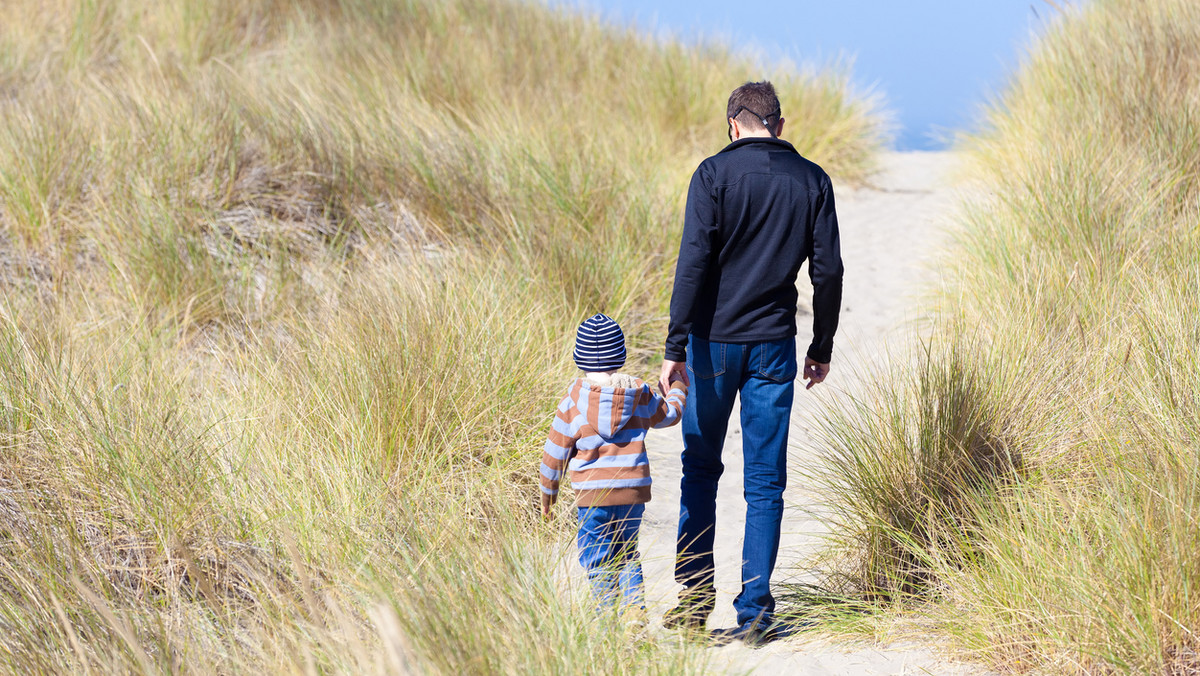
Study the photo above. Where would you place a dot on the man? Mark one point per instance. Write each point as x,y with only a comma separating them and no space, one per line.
755,212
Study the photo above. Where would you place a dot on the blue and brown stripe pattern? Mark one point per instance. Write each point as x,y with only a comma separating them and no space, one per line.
599,433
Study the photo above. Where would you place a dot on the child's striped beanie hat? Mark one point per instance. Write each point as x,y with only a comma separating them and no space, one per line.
599,344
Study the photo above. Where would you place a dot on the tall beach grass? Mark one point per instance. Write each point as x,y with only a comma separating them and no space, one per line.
1036,469
286,290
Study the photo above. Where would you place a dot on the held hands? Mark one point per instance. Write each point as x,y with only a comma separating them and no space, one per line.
814,372
671,372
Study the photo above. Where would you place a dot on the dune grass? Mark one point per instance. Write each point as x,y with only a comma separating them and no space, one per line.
1036,469
287,293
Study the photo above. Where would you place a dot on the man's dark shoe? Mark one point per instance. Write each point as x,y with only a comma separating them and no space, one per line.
753,635
692,611
687,618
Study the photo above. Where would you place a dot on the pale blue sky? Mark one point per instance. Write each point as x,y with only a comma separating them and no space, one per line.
935,61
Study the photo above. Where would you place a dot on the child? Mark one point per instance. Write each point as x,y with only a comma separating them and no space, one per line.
598,434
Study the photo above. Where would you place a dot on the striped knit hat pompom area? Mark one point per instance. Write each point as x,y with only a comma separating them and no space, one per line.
599,344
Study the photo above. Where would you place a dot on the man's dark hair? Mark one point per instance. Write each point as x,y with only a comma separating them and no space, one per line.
754,105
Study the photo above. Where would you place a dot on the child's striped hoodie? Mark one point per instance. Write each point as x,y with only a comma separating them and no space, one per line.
598,434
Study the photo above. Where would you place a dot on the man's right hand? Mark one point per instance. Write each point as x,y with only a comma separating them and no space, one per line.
672,371
814,372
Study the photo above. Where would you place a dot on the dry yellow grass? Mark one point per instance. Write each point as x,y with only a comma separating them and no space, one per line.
287,290
1039,473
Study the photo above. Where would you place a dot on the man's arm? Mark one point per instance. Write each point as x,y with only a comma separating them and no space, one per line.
825,272
691,268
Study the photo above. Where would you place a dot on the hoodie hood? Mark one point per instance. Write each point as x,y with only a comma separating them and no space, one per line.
609,408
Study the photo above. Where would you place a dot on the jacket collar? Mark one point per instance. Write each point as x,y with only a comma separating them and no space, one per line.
752,140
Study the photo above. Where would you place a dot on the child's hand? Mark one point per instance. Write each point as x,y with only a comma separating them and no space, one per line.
547,503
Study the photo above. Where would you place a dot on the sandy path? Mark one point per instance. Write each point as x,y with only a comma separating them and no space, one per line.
888,232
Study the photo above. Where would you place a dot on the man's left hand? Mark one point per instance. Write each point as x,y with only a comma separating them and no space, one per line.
814,372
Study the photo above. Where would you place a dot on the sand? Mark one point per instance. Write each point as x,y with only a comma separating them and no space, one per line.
890,231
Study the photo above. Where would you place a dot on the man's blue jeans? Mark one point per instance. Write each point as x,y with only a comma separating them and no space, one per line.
608,541
763,374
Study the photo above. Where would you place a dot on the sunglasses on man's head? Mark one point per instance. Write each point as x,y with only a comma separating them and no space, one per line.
761,118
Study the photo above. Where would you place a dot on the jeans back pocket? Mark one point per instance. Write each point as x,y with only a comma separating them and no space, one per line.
706,360
777,360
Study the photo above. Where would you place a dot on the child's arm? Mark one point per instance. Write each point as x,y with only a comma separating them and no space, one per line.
560,446
668,411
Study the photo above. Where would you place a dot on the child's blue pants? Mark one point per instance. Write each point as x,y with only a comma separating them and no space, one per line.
608,540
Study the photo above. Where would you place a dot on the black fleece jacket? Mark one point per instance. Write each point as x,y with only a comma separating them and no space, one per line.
755,212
